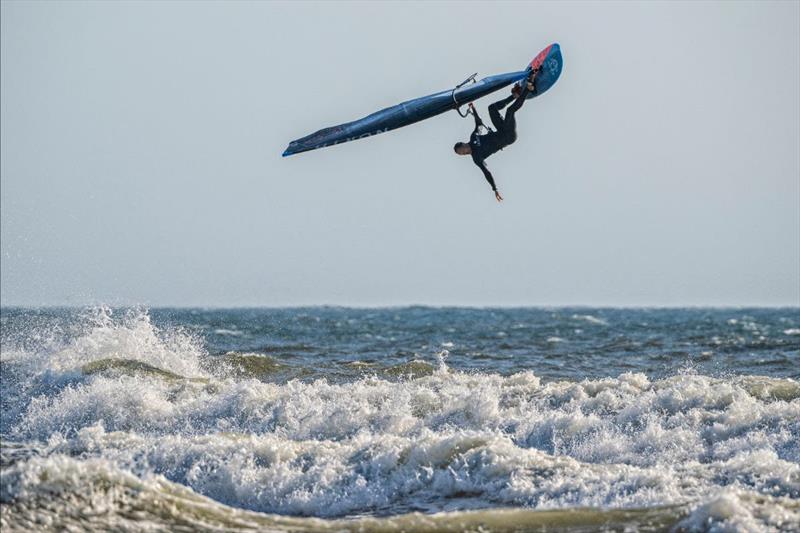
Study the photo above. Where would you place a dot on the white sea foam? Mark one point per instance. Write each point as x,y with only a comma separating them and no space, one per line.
334,449
131,336
228,332
590,319
737,510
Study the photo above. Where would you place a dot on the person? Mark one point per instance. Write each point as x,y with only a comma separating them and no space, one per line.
482,146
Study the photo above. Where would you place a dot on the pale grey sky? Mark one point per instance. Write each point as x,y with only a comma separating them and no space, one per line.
141,155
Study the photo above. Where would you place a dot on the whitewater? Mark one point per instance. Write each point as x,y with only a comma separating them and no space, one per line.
407,419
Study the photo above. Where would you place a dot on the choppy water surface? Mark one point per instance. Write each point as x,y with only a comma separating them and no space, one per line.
331,419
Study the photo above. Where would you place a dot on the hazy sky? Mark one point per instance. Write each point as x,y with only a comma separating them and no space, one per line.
141,155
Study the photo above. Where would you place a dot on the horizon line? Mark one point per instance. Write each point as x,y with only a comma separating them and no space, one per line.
404,306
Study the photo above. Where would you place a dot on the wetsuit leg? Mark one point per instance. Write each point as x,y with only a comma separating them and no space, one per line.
494,112
517,104
510,122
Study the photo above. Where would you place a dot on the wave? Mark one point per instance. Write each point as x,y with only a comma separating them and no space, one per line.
64,493
132,367
337,449
125,415
252,365
410,369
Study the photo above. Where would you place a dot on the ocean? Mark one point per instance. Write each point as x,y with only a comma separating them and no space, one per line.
400,419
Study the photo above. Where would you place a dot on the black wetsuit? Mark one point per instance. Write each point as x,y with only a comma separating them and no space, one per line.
483,146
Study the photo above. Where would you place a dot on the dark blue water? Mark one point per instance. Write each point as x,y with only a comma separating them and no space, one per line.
573,343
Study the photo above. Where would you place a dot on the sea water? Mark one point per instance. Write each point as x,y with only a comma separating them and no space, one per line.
400,419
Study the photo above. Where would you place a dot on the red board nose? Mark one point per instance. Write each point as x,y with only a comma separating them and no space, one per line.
539,59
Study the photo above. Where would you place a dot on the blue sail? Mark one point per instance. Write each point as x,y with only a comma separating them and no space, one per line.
426,107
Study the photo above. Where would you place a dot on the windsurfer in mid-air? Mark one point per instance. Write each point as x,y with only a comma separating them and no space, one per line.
482,146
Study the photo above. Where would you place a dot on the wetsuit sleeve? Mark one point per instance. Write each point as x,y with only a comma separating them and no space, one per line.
486,174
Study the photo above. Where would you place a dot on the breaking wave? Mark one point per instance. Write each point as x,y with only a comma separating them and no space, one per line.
124,422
